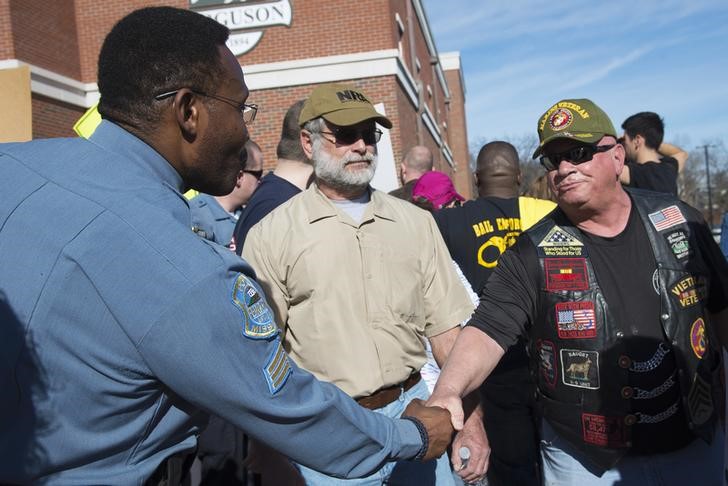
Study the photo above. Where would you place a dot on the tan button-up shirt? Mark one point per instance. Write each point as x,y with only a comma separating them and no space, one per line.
354,299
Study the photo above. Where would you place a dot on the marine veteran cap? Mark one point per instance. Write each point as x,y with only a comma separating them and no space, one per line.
580,120
341,105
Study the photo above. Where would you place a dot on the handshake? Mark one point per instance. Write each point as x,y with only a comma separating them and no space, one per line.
437,424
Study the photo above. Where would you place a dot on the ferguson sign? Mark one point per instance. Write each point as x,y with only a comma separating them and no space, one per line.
243,18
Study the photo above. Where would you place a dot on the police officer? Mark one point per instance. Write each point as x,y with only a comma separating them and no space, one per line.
624,299
120,327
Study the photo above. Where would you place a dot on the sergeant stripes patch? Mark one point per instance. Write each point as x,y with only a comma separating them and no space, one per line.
277,369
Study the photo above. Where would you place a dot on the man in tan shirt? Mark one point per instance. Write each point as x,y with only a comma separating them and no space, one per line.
357,278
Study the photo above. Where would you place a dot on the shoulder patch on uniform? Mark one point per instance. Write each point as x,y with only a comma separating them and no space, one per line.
258,321
566,274
576,320
667,218
559,242
277,369
580,368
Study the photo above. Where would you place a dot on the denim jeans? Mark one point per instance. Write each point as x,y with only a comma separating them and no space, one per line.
403,473
697,463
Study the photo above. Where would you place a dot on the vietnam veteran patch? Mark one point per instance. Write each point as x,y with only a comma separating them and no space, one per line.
689,291
277,369
257,315
566,274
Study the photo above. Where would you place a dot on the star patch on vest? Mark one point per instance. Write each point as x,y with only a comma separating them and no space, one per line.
547,361
604,431
697,338
566,274
580,368
560,243
277,369
576,320
700,402
678,243
689,291
257,315
667,218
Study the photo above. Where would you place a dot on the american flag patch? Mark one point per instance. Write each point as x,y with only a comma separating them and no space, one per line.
576,320
667,218
277,369
559,237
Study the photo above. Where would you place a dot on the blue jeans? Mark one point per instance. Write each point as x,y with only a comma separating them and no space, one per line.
403,473
697,463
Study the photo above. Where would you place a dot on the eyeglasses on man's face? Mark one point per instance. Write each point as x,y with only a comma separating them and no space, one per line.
351,135
247,110
576,155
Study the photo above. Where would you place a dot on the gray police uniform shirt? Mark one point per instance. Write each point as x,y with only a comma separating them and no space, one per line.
120,326
210,220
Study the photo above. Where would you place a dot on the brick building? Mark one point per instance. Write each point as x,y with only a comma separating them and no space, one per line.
48,53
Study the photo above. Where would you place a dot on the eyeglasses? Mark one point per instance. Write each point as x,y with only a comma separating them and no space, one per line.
255,173
248,110
577,155
349,136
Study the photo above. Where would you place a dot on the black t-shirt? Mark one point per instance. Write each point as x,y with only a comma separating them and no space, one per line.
654,176
624,266
271,193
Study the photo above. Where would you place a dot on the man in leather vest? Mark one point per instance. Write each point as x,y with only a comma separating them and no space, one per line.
623,297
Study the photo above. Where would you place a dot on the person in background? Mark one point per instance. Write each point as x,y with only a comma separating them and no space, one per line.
292,175
418,161
724,235
122,330
214,217
436,188
624,298
651,164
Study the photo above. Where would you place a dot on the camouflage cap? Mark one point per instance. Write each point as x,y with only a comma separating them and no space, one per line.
341,105
580,120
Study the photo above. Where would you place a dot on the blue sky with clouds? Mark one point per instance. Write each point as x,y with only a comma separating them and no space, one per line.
521,56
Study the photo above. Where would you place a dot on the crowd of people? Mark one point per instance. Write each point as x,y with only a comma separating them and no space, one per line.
304,327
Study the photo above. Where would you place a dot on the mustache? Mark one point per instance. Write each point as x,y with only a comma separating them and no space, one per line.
353,158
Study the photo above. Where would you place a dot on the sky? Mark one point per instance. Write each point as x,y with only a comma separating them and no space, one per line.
521,56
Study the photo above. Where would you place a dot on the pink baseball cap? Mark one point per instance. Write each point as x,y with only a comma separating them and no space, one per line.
437,188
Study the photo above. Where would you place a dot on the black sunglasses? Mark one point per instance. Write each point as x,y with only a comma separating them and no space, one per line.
349,136
255,173
577,155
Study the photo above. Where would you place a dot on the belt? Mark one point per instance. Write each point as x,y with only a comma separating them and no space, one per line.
385,396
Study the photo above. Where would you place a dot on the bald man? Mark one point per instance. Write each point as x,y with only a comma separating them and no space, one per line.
477,233
416,162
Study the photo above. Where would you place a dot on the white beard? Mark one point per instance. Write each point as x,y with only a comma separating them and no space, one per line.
333,171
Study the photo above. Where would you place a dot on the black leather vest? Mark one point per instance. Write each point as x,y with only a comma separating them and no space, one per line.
579,358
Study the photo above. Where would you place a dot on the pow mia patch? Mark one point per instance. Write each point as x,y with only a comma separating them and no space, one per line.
697,338
566,274
560,243
547,361
678,243
257,315
576,320
277,369
700,402
689,291
604,431
580,368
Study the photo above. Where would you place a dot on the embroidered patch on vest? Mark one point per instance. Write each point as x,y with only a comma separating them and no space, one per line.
667,218
277,369
678,243
560,243
700,403
697,338
576,320
604,431
689,291
566,274
580,368
257,315
547,362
